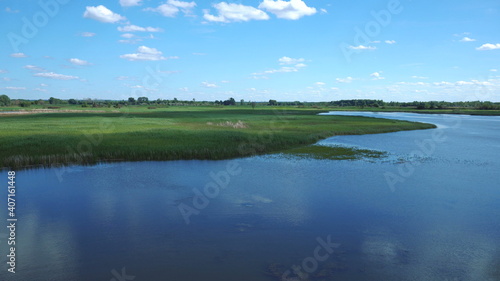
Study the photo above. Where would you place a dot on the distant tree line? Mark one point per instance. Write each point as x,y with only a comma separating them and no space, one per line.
357,103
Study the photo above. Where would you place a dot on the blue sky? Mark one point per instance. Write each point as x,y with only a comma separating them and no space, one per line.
312,50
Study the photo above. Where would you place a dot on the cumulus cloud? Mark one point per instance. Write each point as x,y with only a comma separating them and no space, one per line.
467,39
18,55
15,88
292,65
230,12
34,68
209,85
130,3
344,80
52,75
135,28
172,8
488,46
362,47
79,62
87,34
102,14
146,54
288,60
290,10
376,76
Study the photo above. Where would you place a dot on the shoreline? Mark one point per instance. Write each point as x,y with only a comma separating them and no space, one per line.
55,140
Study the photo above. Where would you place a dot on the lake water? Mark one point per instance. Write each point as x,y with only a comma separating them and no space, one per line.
430,210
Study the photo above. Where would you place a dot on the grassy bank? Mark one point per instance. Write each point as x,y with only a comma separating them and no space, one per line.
138,134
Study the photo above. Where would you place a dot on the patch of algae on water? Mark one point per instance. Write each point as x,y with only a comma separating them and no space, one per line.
332,153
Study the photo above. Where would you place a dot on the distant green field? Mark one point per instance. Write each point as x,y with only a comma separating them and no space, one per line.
139,134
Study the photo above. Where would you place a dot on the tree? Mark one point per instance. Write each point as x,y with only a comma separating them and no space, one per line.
25,104
4,100
72,101
142,100
242,102
131,100
253,105
230,101
273,102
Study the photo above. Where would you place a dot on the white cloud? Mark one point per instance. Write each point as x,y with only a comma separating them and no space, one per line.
463,83
362,47
390,42
290,10
87,34
9,10
18,55
6,79
43,85
284,69
488,46
34,68
419,77
376,76
184,89
129,3
442,83
3,71
234,12
323,11
172,8
413,83
135,28
15,88
209,85
288,60
467,39
79,62
494,70
127,35
320,83
145,53
102,14
130,41
344,80
52,75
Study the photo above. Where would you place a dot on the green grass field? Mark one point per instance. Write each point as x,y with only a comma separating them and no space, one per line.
139,134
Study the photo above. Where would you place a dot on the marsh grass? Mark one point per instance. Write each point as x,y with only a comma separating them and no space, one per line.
332,153
53,139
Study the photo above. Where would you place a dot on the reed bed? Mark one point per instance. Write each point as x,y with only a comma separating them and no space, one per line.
47,139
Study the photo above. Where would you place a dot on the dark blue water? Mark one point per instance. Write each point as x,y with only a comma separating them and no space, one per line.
428,211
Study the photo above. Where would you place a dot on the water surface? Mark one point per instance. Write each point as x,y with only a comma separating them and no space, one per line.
428,211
